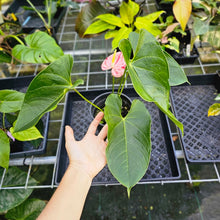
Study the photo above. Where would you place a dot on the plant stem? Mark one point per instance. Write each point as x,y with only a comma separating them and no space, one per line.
16,38
125,78
41,17
87,99
49,6
3,120
113,84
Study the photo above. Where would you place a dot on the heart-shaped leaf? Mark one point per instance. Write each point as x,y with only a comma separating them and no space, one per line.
10,100
4,150
149,70
45,92
129,143
12,198
41,48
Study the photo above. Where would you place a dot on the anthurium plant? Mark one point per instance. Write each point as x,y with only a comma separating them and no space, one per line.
152,72
10,104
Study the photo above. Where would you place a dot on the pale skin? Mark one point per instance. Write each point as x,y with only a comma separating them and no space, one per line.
86,159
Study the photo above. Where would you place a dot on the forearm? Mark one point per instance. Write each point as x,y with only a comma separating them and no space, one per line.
69,198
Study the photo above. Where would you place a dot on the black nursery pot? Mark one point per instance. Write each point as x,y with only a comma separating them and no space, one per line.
100,102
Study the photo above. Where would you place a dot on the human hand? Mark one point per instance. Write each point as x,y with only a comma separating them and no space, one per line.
87,155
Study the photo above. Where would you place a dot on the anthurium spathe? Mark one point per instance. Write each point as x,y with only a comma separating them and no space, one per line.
116,63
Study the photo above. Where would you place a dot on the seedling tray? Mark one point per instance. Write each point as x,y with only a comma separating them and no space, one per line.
163,164
22,149
201,140
29,20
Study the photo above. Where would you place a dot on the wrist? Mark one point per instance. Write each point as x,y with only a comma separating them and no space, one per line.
79,172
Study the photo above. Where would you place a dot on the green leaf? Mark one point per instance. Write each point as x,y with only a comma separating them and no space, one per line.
149,71
10,100
11,198
217,98
213,36
98,27
41,48
173,44
128,11
28,210
153,16
200,27
177,75
45,92
110,34
129,143
122,33
87,15
111,19
4,57
142,22
4,150
26,135
214,110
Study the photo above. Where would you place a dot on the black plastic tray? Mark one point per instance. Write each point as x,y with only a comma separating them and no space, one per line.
25,148
29,20
163,164
201,140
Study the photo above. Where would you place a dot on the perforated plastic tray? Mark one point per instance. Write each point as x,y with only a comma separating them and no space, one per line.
23,149
201,140
163,164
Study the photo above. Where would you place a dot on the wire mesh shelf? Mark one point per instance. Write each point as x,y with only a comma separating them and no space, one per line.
88,55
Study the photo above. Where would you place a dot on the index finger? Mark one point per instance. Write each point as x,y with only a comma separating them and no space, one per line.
94,124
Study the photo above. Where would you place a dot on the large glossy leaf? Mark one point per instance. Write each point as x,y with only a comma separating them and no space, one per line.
182,10
128,11
28,210
129,143
4,149
176,74
149,70
11,198
10,100
87,15
45,92
41,48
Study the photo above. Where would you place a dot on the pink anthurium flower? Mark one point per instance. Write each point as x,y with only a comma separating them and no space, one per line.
10,135
115,62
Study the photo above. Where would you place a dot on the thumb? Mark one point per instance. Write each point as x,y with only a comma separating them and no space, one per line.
69,135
